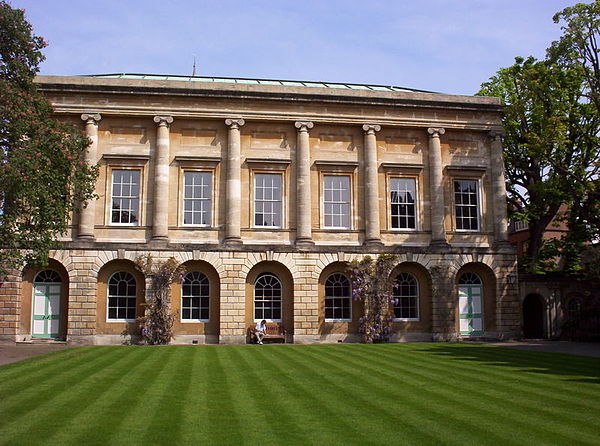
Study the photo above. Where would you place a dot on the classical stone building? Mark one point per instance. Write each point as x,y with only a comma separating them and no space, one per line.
264,190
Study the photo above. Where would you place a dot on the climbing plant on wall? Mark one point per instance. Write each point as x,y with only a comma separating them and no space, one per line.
157,324
371,284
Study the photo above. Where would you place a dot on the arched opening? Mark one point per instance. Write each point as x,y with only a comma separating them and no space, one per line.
338,313
533,317
45,302
411,289
476,310
119,298
196,300
270,296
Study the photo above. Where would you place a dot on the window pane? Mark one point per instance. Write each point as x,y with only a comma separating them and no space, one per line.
466,205
402,200
197,198
336,201
125,196
268,202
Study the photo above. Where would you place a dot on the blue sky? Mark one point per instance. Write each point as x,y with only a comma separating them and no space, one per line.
450,46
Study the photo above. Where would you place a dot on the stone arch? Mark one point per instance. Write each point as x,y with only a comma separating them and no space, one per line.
285,276
103,325
211,327
27,280
534,316
284,258
488,279
340,328
423,278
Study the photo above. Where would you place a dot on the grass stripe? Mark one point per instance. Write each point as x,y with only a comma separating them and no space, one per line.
459,398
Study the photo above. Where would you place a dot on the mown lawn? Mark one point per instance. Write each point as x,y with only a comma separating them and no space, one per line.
395,394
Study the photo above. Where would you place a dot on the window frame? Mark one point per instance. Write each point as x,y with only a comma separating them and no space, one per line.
479,197
253,177
349,297
110,178
108,296
350,176
254,318
185,170
415,179
208,296
417,297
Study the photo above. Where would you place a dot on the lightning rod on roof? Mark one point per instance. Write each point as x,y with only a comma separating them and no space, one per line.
194,67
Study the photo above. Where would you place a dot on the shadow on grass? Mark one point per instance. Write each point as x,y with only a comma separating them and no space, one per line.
573,368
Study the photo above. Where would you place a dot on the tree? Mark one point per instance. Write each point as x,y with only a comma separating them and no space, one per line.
157,323
42,172
551,145
371,285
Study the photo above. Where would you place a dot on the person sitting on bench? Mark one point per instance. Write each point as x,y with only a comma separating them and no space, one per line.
260,331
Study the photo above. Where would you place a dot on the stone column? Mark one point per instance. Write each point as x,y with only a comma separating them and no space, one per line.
88,212
498,189
372,224
160,216
233,192
303,192
436,187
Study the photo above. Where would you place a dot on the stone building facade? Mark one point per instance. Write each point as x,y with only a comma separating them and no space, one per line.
265,190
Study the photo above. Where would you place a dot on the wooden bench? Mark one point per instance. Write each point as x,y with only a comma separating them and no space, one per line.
274,331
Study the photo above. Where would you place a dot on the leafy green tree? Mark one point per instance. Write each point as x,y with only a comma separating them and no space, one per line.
551,140
42,172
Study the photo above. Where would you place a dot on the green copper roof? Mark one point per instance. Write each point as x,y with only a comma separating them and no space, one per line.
231,80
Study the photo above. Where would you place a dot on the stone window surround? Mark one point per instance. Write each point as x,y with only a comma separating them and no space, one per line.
272,166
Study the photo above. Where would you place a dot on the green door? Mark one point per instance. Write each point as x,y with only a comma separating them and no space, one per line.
470,309
46,310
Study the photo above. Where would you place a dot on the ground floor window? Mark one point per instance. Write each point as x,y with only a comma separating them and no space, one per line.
267,297
338,297
406,297
195,295
121,297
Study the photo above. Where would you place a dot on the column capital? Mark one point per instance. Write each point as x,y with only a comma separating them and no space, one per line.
370,129
91,118
303,126
234,123
435,132
496,135
163,120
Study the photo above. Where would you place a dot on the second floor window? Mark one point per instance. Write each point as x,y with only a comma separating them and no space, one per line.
125,197
336,201
403,203
466,204
197,198
268,200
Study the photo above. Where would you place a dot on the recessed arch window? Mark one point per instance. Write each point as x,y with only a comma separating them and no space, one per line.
121,297
195,297
338,297
267,297
406,296
469,279
47,276
573,309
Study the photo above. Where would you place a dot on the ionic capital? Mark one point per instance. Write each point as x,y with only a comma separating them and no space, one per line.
435,132
91,118
234,123
370,129
496,135
163,121
303,126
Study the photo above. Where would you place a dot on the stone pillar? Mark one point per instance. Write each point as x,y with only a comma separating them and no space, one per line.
233,192
160,216
88,212
372,226
303,193
498,190
436,187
